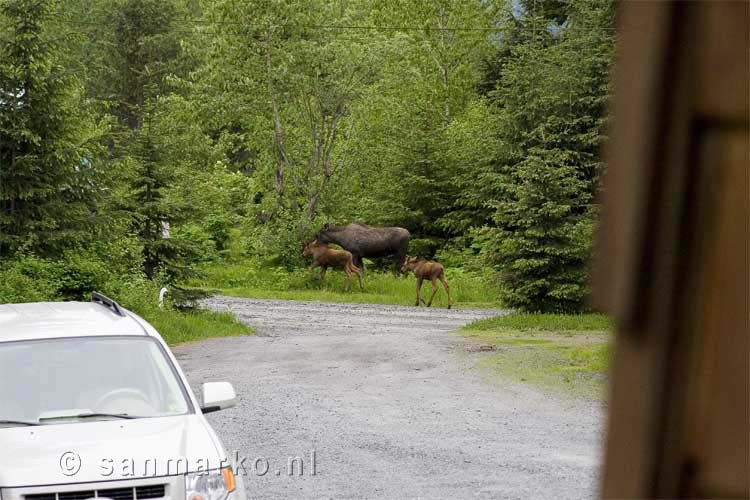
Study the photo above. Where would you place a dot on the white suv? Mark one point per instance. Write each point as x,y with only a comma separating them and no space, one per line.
93,404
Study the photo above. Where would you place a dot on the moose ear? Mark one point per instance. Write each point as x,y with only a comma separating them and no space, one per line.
326,226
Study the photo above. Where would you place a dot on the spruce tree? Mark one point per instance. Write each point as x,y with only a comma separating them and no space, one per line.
144,53
47,172
155,212
551,99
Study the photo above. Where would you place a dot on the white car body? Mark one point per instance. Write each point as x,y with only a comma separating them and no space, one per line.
148,457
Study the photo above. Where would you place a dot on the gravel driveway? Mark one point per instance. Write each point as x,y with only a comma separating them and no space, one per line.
386,403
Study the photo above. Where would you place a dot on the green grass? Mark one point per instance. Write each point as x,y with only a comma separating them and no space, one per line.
565,354
251,279
177,327
572,370
521,322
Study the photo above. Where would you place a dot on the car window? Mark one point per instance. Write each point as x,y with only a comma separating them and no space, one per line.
45,379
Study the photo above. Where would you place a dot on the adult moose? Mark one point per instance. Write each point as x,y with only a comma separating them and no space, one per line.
368,241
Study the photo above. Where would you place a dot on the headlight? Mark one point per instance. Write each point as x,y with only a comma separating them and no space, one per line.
209,485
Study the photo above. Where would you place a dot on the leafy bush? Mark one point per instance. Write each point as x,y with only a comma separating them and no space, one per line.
204,246
30,279
218,227
424,247
80,274
463,252
279,243
17,284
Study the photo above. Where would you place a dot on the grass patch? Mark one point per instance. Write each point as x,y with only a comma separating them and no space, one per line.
566,354
524,322
575,370
174,325
251,279
177,327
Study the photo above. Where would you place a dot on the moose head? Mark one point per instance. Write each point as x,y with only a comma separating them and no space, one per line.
307,251
410,263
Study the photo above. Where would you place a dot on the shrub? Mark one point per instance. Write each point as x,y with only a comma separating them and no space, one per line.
29,278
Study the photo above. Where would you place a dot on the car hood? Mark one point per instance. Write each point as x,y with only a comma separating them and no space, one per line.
106,450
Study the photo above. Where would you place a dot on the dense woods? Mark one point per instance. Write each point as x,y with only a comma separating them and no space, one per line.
139,138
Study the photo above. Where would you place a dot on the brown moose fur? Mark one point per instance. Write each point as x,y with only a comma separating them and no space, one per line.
427,270
325,257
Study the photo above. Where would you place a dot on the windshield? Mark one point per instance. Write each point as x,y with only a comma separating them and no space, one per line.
49,381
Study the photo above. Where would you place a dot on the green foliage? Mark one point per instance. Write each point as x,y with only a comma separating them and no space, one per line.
48,151
424,247
145,46
71,278
153,210
550,98
27,280
244,126
31,279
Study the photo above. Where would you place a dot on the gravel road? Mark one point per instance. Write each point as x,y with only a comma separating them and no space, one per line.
391,404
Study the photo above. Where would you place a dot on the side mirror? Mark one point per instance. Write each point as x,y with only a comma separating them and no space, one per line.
218,396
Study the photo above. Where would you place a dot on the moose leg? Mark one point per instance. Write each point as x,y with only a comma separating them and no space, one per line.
400,259
323,270
359,276
358,262
419,287
447,289
314,265
348,273
434,291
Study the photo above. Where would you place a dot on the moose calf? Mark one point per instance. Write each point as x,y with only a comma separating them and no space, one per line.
425,269
325,257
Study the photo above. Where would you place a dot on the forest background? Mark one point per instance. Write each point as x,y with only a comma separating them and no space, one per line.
239,128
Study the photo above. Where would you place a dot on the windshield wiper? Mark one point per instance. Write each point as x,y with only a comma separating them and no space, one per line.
18,422
81,416
115,415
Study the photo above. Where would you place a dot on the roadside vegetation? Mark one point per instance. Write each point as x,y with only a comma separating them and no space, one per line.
31,279
253,279
567,354
177,326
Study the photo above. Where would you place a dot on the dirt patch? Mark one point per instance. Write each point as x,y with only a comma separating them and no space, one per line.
479,347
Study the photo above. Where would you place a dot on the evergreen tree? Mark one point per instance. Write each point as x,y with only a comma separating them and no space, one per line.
551,99
144,53
145,50
48,181
155,213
